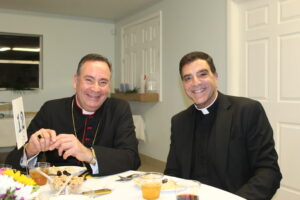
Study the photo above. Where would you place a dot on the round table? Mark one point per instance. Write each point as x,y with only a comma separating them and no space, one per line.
129,190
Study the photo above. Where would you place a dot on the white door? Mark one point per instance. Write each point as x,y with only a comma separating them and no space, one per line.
264,64
141,51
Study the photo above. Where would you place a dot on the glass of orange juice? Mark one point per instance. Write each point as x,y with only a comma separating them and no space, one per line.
151,185
38,177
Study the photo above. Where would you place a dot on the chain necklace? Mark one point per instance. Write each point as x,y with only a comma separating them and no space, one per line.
96,133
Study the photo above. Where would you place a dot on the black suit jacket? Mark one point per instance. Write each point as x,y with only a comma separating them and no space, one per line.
116,146
246,160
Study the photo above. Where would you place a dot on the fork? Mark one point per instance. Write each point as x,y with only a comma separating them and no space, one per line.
128,178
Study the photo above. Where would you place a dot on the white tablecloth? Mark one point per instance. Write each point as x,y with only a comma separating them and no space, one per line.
129,191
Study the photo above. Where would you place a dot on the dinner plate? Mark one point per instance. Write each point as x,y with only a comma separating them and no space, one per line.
70,169
170,185
70,197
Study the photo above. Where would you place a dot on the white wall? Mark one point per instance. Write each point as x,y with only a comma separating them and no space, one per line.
186,26
65,41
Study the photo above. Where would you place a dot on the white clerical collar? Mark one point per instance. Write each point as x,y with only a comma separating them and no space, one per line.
205,110
84,112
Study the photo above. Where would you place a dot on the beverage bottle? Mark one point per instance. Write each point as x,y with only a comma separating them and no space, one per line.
142,84
151,86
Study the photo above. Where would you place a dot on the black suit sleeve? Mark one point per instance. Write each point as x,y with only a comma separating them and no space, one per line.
13,158
262,156
172,166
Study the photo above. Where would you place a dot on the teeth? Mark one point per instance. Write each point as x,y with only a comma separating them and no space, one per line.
198,91
94,97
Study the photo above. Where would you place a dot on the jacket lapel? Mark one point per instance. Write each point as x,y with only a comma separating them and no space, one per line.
222,128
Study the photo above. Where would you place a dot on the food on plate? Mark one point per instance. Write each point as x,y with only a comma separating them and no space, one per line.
58,182
71,169
168,184
62,175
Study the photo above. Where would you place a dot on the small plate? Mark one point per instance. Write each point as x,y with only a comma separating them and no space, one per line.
170,185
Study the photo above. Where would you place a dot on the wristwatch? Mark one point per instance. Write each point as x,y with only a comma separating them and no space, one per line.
94,159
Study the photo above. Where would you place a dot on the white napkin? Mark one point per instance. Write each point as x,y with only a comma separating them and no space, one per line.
139,127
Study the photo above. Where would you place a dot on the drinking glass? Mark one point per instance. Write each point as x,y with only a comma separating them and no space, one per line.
151,185
188,190
36,176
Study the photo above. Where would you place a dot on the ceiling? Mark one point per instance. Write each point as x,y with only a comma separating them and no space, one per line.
100,9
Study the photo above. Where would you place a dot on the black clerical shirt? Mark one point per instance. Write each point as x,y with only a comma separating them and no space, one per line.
203,162
86,126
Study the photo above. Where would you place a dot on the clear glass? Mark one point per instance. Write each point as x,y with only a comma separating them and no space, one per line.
38,177
188,190
151,185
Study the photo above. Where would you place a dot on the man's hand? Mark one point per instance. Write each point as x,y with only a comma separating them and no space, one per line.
40,141
68,145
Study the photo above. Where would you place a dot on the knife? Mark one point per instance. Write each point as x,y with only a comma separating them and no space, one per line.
97,192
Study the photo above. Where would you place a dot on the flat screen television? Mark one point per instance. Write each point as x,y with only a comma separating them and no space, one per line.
20,61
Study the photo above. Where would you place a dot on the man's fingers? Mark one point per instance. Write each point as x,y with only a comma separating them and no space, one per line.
62,139
42,143
45,141
44,137
52,135
67,149
60,151
35,145
67,154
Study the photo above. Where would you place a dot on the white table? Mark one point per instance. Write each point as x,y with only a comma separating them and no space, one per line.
129,191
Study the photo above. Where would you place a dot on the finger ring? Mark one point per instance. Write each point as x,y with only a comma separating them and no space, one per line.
39,136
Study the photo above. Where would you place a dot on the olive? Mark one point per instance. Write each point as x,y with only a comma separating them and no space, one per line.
66,173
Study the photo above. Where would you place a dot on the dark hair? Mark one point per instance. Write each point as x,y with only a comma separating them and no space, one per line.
190,57
92,57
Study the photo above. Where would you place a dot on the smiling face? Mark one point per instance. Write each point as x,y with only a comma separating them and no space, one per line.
199,82
92,85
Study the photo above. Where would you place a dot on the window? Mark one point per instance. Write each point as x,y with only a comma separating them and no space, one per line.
20,61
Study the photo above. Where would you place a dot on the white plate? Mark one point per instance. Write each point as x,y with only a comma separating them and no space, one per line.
169,186
70,197
70,169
